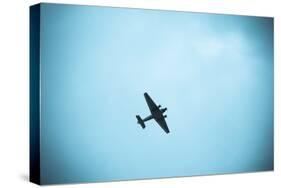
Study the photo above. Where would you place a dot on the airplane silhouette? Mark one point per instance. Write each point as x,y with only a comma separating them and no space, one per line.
156,114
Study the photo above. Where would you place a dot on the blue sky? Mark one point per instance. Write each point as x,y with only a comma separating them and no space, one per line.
213,72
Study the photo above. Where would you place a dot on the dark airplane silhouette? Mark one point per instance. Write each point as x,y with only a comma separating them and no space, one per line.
156,114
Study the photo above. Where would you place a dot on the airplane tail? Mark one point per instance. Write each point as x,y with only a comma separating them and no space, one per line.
140,121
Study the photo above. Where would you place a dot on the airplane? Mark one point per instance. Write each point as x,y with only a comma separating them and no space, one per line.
156,113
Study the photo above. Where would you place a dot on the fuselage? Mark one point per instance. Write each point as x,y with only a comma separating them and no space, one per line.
155,114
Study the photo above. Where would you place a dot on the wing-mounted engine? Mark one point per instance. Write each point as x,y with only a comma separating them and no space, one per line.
163,110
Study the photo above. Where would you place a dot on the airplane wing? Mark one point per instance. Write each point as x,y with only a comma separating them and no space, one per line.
163,124
151,105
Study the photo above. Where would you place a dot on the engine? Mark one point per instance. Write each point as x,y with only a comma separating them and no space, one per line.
163,110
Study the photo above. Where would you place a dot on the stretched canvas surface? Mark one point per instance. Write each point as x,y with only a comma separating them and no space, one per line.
91,66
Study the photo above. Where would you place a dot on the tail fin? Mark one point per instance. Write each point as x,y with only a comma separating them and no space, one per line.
140,121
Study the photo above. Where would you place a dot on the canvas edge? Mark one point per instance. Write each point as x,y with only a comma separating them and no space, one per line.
34,94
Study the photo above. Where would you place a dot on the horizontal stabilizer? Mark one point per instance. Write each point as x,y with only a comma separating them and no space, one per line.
140,121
